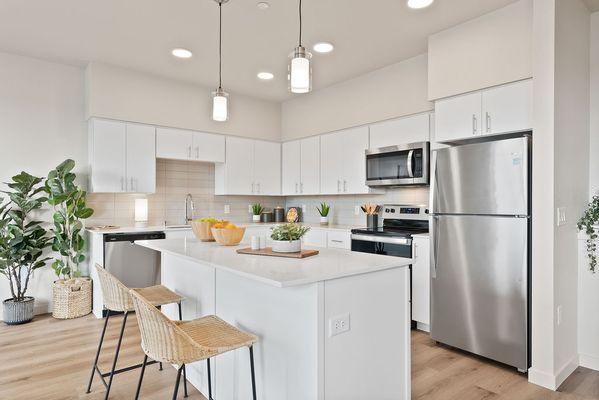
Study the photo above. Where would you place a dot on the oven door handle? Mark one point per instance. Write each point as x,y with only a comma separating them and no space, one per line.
381,239
410,166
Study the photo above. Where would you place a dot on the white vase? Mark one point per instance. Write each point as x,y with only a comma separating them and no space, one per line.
256,218
324,220
286,246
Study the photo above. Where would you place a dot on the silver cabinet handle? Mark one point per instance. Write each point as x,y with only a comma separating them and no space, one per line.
336,241
488,120
302,187
415,250
295,187
198,152
474,124
189,152
258,186
338,185
344,185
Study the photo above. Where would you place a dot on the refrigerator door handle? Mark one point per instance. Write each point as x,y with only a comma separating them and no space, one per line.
434,249
433,181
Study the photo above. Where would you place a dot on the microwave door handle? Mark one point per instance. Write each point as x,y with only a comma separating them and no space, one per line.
410,158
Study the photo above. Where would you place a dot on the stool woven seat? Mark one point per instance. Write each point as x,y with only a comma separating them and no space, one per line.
215,334
160,295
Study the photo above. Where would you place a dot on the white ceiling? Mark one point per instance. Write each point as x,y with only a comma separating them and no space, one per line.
139,34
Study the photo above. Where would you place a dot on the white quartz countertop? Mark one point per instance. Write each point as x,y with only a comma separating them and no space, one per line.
278,271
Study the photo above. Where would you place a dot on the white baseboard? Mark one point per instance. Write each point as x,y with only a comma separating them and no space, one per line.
589,361
550,381
423,327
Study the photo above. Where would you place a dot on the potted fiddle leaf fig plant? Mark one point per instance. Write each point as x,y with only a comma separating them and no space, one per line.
22,243
71,294
287,238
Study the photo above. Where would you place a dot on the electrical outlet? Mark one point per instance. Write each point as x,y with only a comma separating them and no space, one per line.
339,324
561,216
227,209
250,208
357,210
559,315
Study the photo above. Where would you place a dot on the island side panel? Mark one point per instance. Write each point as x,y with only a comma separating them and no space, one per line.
194,281
372,359
286,322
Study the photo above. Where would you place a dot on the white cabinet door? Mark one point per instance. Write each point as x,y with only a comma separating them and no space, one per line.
141,158
175,144
107,156
208,147
290,168
331,163
315,238
421,288
310,165
354,144
267,168
415,128
458,117
339,239
508,108
237,172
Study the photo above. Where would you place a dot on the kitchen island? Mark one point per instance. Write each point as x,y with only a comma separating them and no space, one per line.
331,326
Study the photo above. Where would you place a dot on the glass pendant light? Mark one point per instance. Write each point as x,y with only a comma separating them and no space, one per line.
300,71
220,98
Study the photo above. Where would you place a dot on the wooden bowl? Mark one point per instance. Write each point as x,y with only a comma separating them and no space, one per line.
202,230
228,237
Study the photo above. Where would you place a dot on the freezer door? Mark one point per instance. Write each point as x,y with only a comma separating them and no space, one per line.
479,272
482,178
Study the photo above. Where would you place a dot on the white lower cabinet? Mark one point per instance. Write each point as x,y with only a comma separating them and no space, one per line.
315,237
421,282
338,239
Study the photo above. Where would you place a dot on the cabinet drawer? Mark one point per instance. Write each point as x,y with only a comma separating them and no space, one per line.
339,240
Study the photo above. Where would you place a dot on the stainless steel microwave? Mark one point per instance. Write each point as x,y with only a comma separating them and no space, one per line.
400,165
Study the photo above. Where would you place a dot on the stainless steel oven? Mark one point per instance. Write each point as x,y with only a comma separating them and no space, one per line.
400,165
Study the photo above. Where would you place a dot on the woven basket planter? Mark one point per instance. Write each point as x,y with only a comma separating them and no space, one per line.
71,298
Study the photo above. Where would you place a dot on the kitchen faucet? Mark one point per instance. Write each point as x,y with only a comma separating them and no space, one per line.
189,207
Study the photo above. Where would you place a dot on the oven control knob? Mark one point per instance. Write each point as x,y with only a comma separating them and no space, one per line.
393,211
387,210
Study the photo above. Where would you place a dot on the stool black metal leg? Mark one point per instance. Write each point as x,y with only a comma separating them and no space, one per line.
184,371
252,370
141,376
91,378
177,382
209,380
116,355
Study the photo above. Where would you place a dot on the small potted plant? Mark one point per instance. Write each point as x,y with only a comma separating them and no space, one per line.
71,294
324,210
287,238
587,223
256,211
22,243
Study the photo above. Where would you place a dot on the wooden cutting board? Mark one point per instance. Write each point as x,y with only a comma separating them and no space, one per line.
268,252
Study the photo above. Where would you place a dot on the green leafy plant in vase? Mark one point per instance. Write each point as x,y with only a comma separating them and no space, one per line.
287,238
256,211
324,210
71,293
587,223
23,240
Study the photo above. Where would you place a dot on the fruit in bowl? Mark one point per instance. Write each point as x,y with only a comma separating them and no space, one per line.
202,228
227,234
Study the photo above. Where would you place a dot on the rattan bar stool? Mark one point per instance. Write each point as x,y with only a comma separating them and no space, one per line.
183,342
117,299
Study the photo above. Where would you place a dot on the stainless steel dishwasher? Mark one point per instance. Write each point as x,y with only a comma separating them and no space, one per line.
133,265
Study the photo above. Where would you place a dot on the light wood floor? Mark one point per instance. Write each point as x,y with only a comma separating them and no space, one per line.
51,359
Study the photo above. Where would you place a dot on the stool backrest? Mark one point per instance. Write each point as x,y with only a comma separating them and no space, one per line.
116,294
161,338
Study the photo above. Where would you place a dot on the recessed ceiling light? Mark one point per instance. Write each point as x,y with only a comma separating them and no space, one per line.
323,47
265,76
419,3
263,5
181,53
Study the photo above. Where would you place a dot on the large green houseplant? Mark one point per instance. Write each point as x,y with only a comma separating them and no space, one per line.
22,243
587,223
71,294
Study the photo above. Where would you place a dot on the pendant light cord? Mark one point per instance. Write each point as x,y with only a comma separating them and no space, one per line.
220,43
300,22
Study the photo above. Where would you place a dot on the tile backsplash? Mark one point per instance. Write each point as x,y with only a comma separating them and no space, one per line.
174,179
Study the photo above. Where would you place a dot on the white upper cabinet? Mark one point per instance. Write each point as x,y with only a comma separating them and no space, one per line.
415,128
141,158
342,161
267,168
290,167
180,144
107,156
508,108
458,117
310,165
122,157
499,110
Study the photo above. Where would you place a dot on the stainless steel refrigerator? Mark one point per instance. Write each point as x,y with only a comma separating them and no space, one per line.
480,249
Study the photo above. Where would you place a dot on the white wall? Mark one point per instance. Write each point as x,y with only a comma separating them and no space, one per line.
396,90
119,93
41,124
594,108
490,50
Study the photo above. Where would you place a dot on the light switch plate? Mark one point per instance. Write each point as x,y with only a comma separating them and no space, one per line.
339,324
250,208
227,209
561,216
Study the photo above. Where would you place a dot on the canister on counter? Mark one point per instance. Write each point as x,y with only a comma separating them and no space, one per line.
279,214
